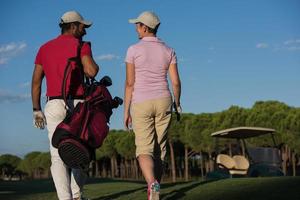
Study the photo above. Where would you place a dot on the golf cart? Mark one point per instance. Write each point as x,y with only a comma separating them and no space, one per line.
242,158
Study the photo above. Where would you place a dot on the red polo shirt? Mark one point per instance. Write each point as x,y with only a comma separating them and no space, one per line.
53,57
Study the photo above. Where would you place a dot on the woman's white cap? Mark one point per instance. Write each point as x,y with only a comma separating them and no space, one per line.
148,18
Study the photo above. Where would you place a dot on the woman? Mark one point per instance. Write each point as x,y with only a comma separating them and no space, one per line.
148,100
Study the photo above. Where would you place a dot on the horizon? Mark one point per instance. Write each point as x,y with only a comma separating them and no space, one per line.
22,155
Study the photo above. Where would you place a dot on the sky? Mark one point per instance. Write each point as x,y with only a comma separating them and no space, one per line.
229,52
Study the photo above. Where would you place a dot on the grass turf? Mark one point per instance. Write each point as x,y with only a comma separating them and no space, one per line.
275,188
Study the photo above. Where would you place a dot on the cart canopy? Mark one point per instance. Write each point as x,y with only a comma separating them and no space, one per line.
242,132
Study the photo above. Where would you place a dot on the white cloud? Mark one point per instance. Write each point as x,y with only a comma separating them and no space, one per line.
13,98
107,57
288,45
292,45
292,42
3,61
8,51
24,85
293,48
262,45
212,48
288,42
181,59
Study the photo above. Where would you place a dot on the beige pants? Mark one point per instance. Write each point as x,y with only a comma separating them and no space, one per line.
150,120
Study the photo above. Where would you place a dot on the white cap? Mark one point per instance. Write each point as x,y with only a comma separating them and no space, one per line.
148,18
73,16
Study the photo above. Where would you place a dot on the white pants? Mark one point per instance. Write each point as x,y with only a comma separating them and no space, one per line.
68,182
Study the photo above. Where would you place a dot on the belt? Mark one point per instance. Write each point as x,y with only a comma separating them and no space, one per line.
68,97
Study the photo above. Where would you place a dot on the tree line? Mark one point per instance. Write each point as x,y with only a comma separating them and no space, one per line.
191,149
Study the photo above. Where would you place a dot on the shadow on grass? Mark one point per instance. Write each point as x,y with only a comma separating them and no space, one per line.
169,184
180,193
176,194
117,195
9,189
110,180
26,187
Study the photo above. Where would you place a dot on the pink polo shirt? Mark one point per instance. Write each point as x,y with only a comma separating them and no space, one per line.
151,58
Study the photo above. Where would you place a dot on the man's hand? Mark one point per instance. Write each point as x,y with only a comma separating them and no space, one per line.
39,120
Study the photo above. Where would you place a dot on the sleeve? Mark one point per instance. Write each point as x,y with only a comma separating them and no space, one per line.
38,58
130,55
86,50
173,57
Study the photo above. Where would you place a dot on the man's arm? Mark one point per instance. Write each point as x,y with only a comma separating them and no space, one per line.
36,84
90,67
129,83
39,120
176,83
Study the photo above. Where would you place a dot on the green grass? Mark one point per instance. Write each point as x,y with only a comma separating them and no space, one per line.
275,188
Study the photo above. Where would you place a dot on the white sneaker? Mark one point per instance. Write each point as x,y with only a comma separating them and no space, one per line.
81,198
153,191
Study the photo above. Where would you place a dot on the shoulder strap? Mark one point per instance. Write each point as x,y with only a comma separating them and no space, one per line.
76,59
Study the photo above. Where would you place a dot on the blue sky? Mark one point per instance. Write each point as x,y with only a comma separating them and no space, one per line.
230,53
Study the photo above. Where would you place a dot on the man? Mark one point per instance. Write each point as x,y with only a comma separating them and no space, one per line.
50,62
148,101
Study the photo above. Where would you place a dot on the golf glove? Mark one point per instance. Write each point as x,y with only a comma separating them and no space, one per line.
39,120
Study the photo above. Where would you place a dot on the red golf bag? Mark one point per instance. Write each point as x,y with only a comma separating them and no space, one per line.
86,126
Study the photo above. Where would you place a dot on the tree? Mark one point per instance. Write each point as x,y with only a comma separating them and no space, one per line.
29,165
189,141
200,139
42,163
8,165
175,130
172,136
108,150
190,124
125,147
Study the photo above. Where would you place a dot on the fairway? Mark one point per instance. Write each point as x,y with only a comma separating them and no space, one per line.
105,189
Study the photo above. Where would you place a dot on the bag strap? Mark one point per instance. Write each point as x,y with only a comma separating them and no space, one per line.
67,71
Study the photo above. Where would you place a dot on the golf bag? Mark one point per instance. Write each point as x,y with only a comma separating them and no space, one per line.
86,126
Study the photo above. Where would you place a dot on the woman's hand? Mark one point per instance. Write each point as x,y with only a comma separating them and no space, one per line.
128,122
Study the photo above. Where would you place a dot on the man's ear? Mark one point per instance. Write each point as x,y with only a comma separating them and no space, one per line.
73,26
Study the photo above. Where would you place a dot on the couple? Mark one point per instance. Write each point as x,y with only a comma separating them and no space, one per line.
148,100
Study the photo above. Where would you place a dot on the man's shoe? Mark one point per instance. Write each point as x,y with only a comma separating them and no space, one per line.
81,198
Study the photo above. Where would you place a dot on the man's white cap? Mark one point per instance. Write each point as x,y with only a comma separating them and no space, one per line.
73,16
148,18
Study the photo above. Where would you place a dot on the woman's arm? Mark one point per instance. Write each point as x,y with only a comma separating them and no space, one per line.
129,83
176,84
